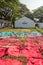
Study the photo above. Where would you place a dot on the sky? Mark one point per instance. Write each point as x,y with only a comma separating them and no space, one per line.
32,4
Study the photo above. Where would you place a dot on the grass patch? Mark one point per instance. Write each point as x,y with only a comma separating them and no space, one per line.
22,30
18,58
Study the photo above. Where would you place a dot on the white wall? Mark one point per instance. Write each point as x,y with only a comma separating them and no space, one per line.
28,23
40,25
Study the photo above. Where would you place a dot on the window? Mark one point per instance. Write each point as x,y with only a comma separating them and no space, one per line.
24,23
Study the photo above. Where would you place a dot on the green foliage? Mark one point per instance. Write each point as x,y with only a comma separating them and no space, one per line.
13,8
5,5
38,13
24,11
10,9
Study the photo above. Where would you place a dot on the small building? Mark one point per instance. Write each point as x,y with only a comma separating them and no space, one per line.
40,25
24,22
4,23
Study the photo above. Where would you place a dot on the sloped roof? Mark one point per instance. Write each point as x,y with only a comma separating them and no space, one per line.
26,19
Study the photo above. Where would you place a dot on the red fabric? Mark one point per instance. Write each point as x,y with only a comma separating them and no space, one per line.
13,51
10,62
29,63
31,52
36,61
2,62
4,42
35,41
26,51
16,62
2,52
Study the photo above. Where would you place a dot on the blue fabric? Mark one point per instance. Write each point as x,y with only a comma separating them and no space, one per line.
6,34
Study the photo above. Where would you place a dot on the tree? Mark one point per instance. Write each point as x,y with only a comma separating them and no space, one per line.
13,22
38,13
29,15
13,8
24,11
8,8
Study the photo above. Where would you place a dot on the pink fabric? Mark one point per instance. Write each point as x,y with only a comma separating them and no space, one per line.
25,51
29,63
10,62
13,51
2,61
4,42
36,61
